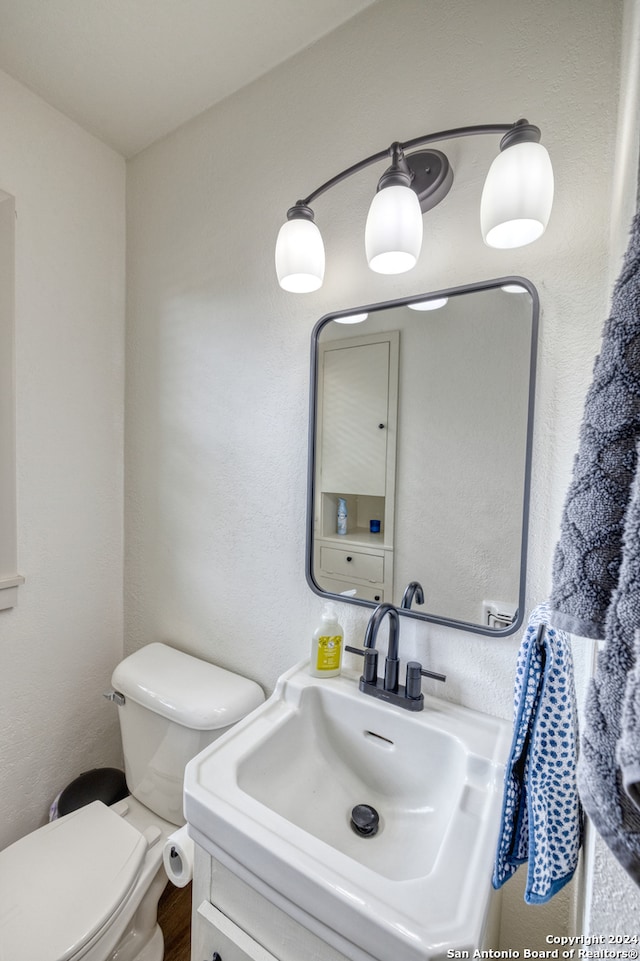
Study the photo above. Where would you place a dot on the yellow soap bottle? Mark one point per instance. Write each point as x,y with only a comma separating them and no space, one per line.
326,646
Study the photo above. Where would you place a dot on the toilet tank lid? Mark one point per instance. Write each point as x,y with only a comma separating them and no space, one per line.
195,693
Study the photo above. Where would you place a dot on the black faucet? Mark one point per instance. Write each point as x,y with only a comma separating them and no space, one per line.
409,696
392,662
413,589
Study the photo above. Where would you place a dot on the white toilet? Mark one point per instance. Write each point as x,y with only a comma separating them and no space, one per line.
86,886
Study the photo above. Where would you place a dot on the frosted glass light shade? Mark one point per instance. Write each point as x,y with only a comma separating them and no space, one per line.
299,256
393,233
434,304
351,318
517,196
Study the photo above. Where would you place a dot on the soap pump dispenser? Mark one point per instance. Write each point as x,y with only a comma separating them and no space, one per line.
326,646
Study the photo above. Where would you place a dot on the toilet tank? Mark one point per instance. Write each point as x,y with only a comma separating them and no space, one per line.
174,706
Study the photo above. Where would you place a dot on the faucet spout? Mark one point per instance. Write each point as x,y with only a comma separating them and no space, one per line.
413,590
392,662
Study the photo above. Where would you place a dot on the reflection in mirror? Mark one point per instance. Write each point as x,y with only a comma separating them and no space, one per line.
420,433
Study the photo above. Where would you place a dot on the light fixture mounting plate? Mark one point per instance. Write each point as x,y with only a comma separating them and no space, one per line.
432,176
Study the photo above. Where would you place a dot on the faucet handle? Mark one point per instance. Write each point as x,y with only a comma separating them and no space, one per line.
370,670
433,674
415,672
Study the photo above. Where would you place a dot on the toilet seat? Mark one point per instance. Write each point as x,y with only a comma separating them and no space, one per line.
63,884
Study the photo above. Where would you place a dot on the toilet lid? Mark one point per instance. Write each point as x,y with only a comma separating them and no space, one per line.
61,884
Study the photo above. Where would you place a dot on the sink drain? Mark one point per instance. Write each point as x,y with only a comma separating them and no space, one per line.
365,820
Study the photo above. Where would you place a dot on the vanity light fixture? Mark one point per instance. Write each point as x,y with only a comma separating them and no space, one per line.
514,209
350,318
434,304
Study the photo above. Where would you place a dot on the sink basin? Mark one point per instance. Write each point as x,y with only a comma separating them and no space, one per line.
342,754
273,799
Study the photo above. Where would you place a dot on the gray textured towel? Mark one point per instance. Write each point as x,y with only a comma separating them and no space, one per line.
596,575
629,745
600,777
589,553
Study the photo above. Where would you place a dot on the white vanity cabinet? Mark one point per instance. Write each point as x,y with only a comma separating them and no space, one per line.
356,443
217,937
232,922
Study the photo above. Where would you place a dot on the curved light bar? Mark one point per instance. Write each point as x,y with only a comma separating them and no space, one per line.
515,207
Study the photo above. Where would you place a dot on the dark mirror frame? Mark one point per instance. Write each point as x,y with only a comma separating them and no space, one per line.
313,415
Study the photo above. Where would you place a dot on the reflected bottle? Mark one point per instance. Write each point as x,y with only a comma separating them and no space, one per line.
342,515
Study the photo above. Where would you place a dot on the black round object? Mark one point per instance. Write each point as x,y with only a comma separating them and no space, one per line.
365,820
106,784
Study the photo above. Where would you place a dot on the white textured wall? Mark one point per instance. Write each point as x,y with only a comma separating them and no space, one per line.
59,645
218,354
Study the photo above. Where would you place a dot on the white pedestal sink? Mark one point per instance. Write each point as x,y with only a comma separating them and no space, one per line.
274,796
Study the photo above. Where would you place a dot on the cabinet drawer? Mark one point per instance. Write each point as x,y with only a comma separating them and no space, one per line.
345,563
215,933
363,591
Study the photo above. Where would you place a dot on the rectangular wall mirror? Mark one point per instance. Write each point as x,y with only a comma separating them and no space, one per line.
421,420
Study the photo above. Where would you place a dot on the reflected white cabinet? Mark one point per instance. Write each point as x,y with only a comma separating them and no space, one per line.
356,441
355,409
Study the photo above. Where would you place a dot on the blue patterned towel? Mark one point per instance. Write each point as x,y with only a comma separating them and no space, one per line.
541,813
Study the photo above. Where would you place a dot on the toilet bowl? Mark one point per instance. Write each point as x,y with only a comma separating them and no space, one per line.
86,886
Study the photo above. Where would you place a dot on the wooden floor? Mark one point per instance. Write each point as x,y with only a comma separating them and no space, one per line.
174,917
